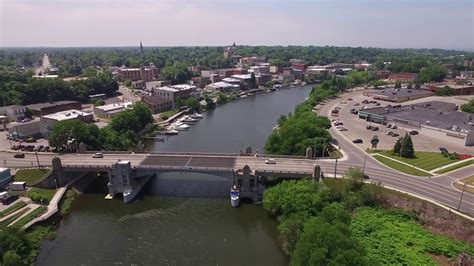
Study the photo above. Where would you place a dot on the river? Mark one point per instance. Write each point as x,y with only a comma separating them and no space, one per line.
182,219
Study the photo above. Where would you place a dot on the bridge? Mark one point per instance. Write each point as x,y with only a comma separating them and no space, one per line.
128,172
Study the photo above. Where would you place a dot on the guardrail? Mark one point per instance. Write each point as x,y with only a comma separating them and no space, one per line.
185,168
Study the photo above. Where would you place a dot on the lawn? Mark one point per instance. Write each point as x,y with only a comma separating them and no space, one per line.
38,195
14,217
168,114
454,167
31,176
400,167
18,205
424,160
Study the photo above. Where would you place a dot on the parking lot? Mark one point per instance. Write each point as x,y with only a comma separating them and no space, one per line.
357,128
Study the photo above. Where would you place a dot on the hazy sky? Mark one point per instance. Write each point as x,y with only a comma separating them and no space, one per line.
375,23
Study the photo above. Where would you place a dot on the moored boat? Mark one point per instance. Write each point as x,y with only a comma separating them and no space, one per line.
235,196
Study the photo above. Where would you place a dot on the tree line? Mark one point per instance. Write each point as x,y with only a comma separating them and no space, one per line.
22,88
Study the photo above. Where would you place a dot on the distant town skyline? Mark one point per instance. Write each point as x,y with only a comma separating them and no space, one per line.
366,23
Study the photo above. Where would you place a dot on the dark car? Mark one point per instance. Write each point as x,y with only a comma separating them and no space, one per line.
375,129
413,132
357,141
47,149
369,127
443,150
395,135
19,155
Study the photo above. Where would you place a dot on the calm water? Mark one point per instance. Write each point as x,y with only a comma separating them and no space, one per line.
182,219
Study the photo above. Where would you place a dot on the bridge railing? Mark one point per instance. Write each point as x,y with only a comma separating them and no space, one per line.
309,173
185,168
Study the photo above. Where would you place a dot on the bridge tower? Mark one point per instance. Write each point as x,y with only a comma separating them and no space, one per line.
248,183
122,179
309,153
317,173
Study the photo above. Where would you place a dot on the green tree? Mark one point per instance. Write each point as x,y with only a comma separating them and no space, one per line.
210,104
398,85
177,73
407,149
468,107
445,91
374,141
432,73
193,103
179,102
10,258
70,133
398,145
328,240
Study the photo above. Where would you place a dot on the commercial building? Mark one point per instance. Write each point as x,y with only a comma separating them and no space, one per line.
40,109
223,87
171,93
200,82
13,112
51,119
151,85
157,104
145,73
436,119
40,128
403,77
458,89
250,61
111,110
399,95
5,177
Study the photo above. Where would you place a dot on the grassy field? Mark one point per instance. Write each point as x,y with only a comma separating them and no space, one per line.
168,114
424,160
400,167
32,215
20,204
454,167
31,176
39,195
467,180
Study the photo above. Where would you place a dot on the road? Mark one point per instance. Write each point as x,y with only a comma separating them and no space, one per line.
127,95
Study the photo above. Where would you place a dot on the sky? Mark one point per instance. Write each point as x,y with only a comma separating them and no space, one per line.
447,24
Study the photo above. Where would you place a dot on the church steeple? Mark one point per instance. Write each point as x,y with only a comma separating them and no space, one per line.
141,47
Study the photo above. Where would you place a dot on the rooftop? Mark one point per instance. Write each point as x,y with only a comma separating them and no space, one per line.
436,114
39,106
395,93
175,88
154,99
114,106
66,115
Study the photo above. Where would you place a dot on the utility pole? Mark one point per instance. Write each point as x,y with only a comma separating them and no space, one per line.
363,167
37,159
462,194
335,169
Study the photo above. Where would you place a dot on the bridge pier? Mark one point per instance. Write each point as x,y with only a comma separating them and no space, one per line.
122,180
248,184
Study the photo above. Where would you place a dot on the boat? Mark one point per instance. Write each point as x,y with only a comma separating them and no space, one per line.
235,196
181,127
171,132
189,120
197,116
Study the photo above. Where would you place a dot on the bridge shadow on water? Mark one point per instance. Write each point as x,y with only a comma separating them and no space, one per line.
193,185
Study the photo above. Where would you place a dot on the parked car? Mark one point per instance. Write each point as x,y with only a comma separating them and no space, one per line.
9,199
19,155
365,101
357,141
389,133
375,129
47,149
369,127
395,135
350,99
413,132
443,150
98,155
356,104
341,128
394,127
270,161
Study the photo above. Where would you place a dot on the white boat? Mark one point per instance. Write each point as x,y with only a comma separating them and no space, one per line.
235,196
182,127
197,116
189,120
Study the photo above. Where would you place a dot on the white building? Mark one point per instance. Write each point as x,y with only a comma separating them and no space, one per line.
50,120
171,93
110,110
13,112
223,86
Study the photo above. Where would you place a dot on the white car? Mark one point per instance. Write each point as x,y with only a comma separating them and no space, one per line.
270,161
98,155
